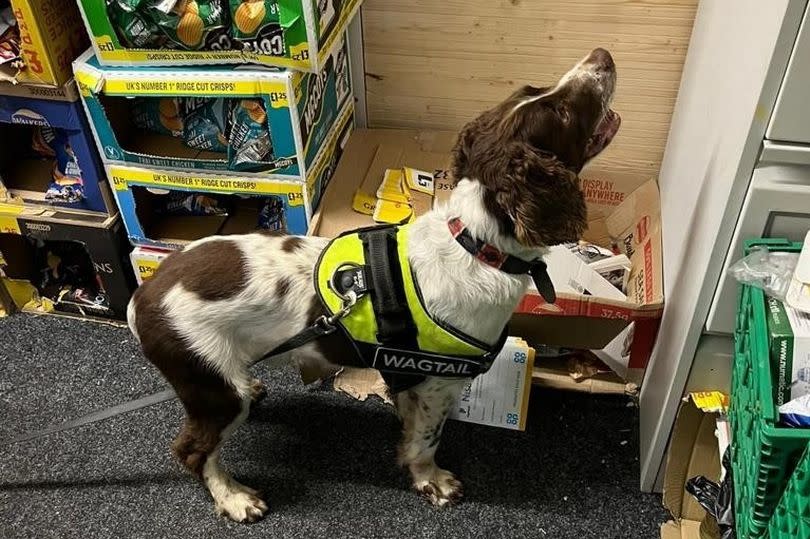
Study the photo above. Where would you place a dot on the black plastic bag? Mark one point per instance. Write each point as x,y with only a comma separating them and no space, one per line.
717,500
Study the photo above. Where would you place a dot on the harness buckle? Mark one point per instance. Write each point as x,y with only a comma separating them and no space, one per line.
349,301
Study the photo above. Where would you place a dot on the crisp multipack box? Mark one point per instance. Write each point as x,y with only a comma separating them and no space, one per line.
296,34
500,397
48,156
51,36
56,262
214,118
166,208
789,346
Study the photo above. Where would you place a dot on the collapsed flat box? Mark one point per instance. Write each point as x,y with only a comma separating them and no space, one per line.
693,451
25,107
364,163
622,207
300,37
31,241
51,36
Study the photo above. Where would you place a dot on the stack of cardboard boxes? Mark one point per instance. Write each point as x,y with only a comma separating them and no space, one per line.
62,247
210,148
160,155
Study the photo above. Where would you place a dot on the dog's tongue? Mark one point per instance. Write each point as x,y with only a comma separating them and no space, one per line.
603,134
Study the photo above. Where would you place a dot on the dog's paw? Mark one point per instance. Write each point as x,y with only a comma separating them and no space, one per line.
242,506
442,489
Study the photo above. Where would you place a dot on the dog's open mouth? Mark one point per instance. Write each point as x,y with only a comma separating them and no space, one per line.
603,134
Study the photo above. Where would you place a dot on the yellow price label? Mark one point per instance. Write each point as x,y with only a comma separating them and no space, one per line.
392,212
9,225
8,218
146,268
710,401
364,203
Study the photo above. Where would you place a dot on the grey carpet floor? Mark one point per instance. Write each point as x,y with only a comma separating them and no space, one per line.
325,461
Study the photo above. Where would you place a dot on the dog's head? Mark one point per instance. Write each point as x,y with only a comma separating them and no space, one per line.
527,152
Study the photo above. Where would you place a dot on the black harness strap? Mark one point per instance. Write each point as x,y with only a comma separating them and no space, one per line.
395,325
320,328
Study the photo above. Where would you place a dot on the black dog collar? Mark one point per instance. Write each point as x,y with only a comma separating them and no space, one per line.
492,256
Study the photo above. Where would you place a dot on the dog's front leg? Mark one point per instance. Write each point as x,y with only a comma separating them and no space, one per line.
423,410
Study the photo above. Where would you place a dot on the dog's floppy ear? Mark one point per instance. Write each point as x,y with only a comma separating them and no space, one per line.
532,194
540,196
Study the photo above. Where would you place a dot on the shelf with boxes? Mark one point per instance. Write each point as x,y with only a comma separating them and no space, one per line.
195,151
295,34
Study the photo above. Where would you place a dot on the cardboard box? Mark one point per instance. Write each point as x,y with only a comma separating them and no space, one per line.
301,109
368,153
583,321
789,347
51,36
138,192
623,209
49,256
693,451
300,38
27,175
145,261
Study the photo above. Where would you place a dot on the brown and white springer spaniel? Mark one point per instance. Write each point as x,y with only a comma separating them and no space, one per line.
220,303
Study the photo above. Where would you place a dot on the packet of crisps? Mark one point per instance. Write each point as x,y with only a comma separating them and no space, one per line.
256,27
271,215
249,137
192,24
180,203
158,115
66,184
204,123
134,26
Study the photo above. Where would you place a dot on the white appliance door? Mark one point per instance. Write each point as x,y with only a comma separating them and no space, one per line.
777,206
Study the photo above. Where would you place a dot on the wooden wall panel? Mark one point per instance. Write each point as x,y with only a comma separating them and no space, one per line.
437,63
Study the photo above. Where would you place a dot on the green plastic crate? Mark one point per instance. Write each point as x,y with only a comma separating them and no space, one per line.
791,519
763,455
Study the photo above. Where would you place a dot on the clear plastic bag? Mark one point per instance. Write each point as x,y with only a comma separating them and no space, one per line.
770,271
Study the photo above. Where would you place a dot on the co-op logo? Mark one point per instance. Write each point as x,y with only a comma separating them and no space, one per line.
28,117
